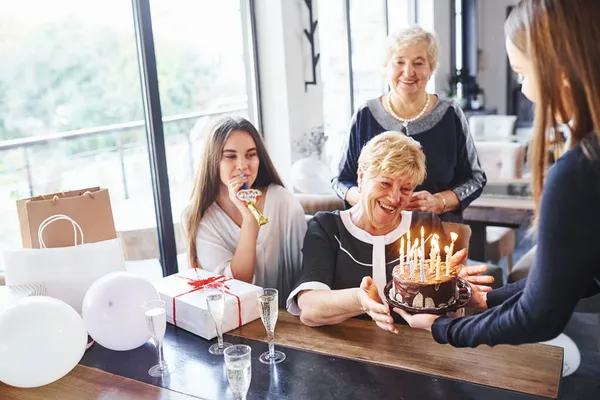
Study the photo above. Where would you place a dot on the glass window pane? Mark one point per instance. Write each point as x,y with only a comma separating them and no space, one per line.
335,75
71,113
202,77
368,31
400,14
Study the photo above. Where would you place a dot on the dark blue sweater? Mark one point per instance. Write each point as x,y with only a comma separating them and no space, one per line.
452,162
565,269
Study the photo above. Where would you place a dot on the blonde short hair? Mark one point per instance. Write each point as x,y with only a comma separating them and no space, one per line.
395,154
411,36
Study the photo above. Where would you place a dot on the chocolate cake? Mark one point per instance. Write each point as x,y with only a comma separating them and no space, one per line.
431,292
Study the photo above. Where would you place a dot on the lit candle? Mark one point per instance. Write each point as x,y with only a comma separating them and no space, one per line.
415,255
453,236
422,263
422,241
438,267
432,249
447,250
402,256
432,252
408,248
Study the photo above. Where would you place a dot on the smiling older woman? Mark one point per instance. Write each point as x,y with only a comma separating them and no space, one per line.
454,175
348,256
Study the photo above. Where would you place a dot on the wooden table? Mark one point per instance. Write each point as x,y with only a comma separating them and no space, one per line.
89,383
504,367
510,212
354,359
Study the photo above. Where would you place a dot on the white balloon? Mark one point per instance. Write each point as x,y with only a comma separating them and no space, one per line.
113,310
41,340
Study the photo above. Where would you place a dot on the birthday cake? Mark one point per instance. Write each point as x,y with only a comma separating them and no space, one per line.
434,291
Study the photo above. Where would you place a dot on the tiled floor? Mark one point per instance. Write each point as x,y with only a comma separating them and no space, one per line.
585,382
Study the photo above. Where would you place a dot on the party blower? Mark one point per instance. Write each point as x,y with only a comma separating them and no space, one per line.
250,197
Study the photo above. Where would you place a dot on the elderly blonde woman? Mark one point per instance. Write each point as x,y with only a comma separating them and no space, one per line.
348,256
454,175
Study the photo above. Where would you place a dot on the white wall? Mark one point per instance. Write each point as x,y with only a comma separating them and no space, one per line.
493,64
284,63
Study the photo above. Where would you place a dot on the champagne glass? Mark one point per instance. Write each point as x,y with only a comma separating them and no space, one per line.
156,318
239,369
215,301
268,303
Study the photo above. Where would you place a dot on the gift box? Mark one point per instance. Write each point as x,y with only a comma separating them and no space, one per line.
10,294
186,302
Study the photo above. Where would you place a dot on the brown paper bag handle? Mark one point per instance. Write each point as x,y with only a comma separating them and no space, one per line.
56,197
58,217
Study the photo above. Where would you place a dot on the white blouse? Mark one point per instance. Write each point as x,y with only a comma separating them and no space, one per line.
278,245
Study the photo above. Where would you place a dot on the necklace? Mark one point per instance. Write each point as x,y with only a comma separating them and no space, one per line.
406,121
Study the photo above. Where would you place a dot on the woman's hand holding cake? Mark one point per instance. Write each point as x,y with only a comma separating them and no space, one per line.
370,302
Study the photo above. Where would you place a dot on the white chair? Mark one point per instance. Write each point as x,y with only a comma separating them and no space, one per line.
492,127
501,160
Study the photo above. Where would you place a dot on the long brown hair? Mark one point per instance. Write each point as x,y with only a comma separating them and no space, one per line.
561,38
208,181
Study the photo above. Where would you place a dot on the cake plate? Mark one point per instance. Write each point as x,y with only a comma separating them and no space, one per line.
464,295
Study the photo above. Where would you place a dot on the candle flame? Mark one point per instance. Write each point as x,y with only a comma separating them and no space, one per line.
402,244
422,231
447,249
453,236
408,235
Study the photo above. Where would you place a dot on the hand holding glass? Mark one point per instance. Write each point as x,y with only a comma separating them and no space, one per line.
156,318
239,369
215,301
268,303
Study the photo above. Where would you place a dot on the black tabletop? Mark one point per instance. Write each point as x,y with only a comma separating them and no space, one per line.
303,375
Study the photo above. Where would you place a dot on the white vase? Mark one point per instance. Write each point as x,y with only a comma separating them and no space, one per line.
311,175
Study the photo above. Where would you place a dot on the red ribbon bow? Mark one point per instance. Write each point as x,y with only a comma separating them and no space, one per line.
199,284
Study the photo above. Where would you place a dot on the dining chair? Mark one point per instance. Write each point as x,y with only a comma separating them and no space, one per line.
492,127
462,242
501,161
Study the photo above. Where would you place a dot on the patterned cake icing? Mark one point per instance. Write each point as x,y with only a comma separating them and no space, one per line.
431,292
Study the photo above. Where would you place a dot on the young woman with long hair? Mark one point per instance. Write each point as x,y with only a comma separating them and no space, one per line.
222,234
554,45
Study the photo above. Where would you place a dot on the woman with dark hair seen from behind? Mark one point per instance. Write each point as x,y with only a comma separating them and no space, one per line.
554,45
222,234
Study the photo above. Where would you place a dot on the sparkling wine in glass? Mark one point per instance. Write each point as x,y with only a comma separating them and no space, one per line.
239,369
268,303
215,301
156,319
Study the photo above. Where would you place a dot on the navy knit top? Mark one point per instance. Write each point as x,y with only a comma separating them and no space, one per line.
566,266
452,162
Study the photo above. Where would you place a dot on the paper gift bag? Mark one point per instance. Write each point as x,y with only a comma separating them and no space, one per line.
186,302
90,207
66,272
11,294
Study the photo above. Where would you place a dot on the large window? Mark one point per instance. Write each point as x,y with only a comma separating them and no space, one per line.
352,35
71,104
202,77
